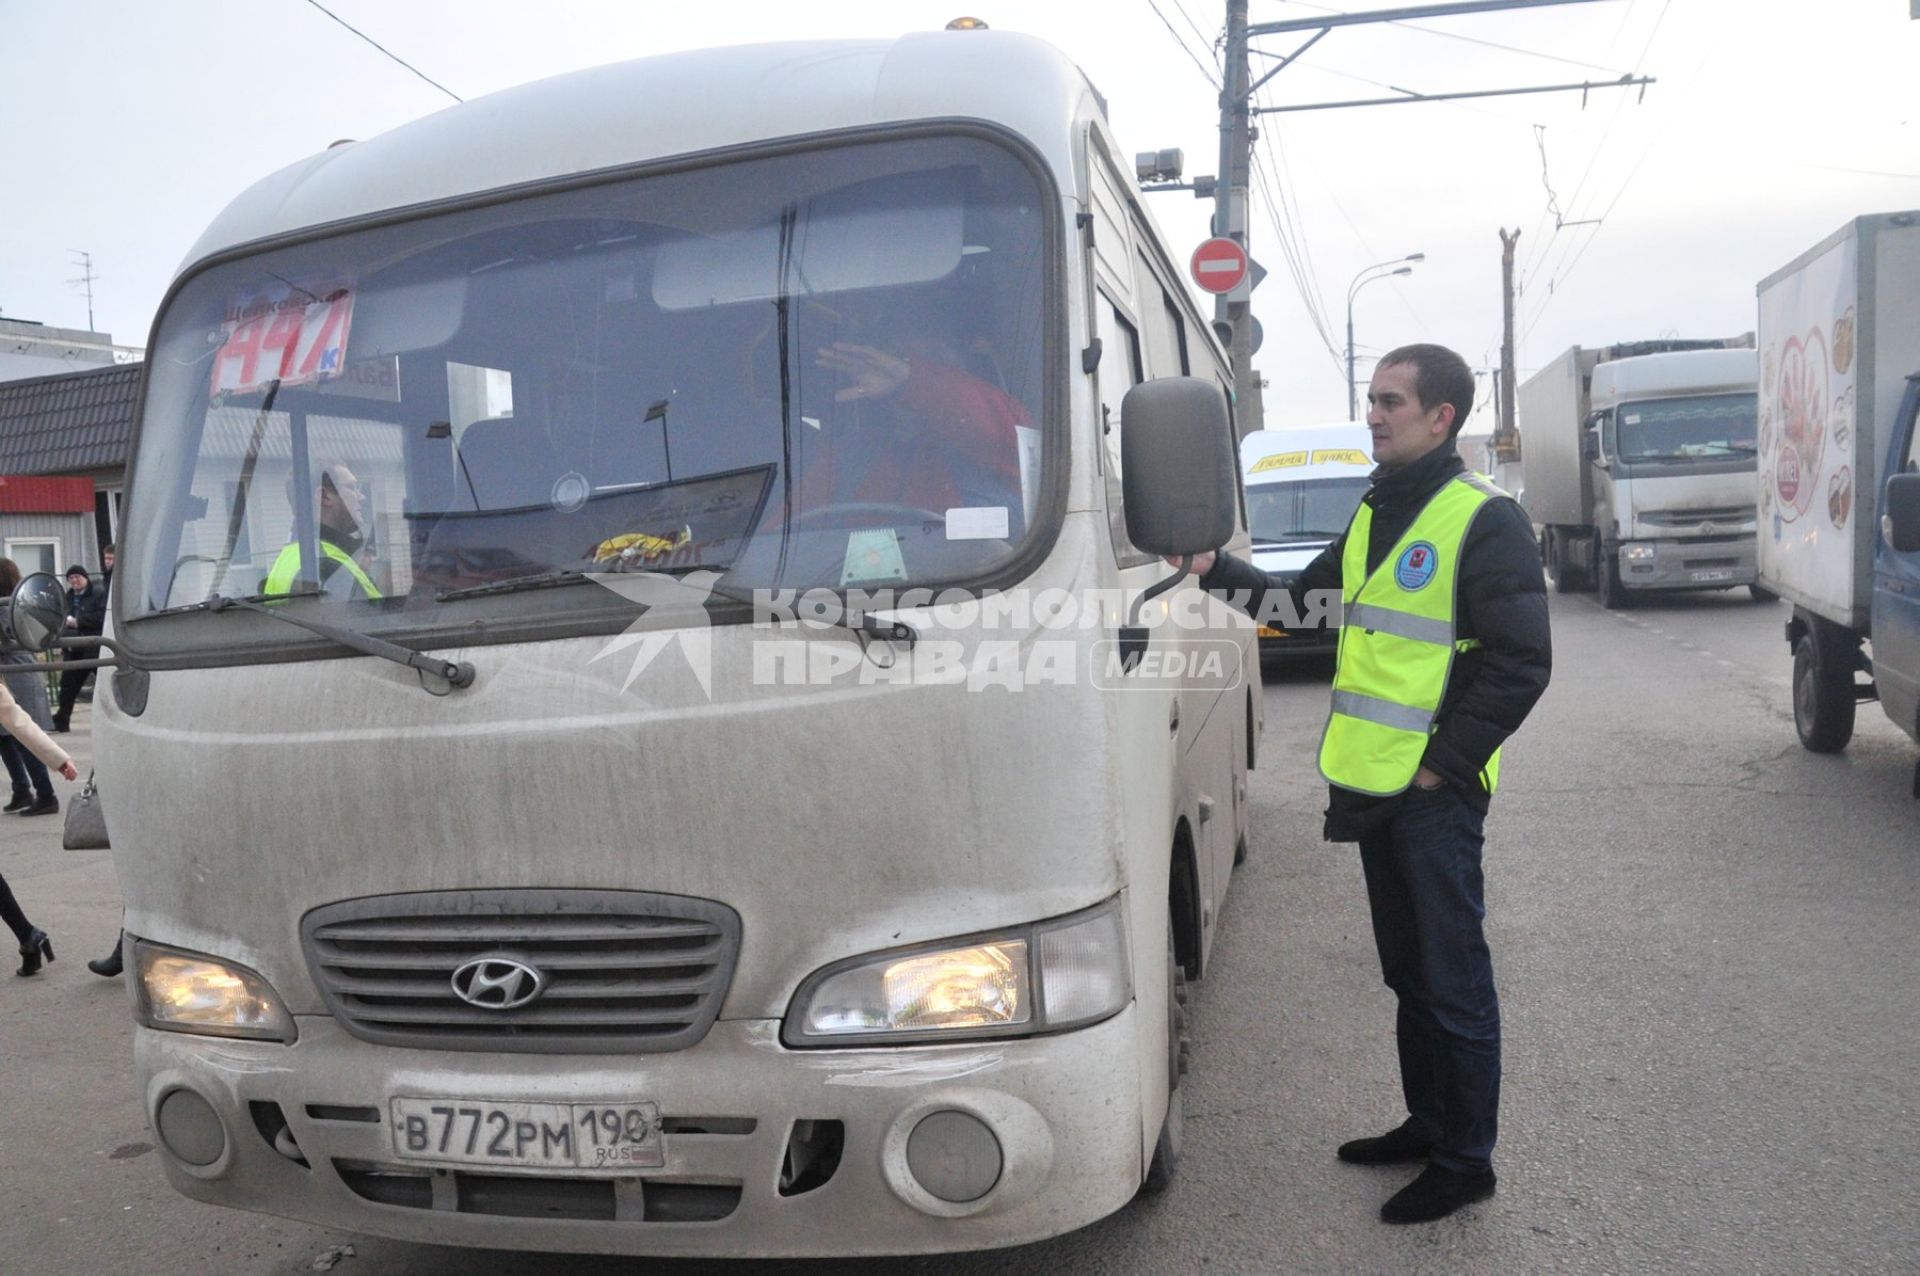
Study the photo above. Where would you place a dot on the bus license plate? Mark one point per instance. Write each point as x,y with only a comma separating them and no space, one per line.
1717,573
547,1136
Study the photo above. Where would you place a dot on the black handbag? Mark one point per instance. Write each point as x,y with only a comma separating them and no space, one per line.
86,828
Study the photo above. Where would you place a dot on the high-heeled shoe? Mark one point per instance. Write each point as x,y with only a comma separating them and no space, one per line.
36,947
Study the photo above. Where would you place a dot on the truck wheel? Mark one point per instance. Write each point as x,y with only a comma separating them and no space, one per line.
1613,594
1166,1150
1566,576
1822,693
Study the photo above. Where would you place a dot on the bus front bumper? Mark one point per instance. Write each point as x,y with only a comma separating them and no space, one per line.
1046,1130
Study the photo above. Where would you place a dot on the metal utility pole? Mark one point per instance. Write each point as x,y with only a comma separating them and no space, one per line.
1233,312
1506,436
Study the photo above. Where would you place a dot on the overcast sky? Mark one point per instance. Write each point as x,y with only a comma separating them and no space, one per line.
132,123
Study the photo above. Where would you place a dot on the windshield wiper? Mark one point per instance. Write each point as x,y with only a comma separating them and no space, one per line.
514,585
455,673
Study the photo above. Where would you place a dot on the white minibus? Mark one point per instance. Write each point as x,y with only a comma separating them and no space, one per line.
650,713
1303,484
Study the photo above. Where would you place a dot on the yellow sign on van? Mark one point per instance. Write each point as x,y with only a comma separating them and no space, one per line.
1342,456
1278,461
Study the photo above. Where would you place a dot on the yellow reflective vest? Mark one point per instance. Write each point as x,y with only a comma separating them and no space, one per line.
1397,644
287,566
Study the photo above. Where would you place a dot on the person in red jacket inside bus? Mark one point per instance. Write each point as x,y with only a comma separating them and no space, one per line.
935,438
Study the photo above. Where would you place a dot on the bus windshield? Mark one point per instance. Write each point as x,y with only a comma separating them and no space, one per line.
1308,510
820,369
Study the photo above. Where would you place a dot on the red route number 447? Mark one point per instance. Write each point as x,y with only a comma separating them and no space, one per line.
290,343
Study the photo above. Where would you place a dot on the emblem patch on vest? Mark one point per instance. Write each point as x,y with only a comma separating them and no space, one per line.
1416,565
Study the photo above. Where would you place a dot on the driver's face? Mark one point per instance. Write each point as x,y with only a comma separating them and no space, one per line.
341,500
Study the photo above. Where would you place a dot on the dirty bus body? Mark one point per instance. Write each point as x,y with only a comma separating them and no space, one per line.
703,919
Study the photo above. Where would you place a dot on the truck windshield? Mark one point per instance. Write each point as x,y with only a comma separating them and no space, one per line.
1308,510
1708,425
807,370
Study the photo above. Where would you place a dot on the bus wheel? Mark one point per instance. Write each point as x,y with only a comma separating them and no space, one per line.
1166,1149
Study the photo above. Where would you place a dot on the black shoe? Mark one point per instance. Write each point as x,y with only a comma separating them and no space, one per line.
1391,1148
22,799
59,726
45,806
1437,1193
36,947
107,967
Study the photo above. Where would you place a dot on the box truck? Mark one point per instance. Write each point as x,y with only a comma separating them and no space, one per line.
1840,473
618,744
1639,466
1303,485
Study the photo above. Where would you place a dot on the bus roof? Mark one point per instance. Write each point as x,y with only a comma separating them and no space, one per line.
674,104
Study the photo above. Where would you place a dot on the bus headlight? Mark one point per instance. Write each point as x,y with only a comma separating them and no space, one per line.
1046,977
181,991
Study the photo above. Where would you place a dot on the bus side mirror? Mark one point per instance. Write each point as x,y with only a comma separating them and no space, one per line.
38,611
1900,518
1177,459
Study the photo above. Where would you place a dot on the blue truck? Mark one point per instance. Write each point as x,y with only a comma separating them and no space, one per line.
1839,467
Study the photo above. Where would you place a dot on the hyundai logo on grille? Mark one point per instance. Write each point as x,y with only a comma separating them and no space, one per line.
497,982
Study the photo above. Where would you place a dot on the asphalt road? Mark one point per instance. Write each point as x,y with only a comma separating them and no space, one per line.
1704,938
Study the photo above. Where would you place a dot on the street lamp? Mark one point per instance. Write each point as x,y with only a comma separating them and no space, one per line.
1360,280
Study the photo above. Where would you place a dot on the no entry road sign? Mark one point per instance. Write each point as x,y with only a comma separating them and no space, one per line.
1219,265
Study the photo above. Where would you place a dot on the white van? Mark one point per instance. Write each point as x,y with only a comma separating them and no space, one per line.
1303,485
620,743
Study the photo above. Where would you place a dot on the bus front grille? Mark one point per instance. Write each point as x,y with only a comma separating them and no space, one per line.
552,971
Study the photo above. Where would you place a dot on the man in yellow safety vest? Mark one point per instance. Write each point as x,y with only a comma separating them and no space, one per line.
343,533
1444,650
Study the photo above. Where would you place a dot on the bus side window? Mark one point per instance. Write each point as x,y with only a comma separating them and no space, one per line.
1118,372
1166,343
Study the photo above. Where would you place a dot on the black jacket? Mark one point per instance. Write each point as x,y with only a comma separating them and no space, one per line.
1501,600
89,610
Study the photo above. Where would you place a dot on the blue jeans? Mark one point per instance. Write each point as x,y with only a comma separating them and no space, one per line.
1428,901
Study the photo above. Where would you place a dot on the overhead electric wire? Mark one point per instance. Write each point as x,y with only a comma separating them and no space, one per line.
1468,39
1289,212
1211,42
1570,255
1211,75
389,53
1290,253
1271,134
1538,248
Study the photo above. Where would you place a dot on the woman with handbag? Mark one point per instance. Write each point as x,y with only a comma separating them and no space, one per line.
35,947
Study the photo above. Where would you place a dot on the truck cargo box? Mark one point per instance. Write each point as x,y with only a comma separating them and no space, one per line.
1834,358
1552,402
